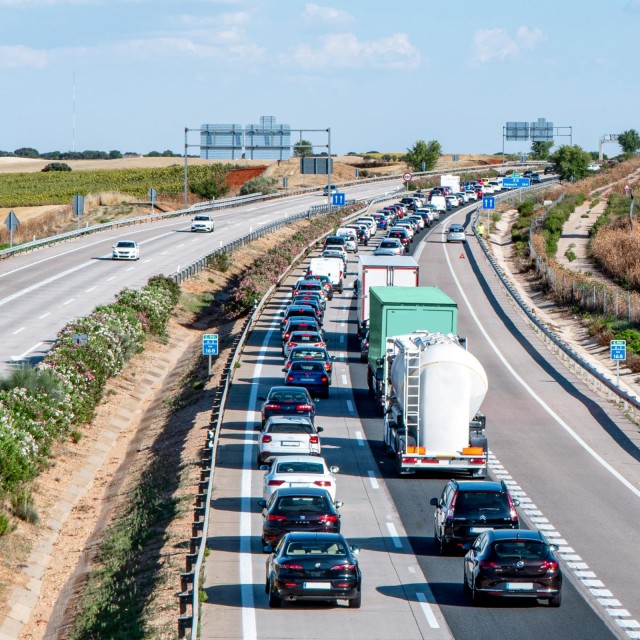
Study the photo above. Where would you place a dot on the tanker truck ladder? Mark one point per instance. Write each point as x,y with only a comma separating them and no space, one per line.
412,393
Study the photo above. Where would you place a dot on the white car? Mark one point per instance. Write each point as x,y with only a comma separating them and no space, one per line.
462,196
351,240
288,435
368,220
126,250
594,166
298,472
471,194
202,222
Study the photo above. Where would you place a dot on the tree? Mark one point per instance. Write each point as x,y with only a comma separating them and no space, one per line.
26,152
629,141
115,155
571,162
424,152
302,149
540,149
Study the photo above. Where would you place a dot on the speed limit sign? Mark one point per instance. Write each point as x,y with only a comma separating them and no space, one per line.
407,177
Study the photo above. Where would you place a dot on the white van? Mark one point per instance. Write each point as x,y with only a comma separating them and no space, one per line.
440,203
333,268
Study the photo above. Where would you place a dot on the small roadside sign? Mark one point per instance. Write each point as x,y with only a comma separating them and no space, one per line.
210,344
80,339
78,205
488,202
338,199
618,349
407,177
12,223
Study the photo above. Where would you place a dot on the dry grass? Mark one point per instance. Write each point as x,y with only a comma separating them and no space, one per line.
618,252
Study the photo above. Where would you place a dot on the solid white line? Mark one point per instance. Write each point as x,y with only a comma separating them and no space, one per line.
373,480
393,532
69,301
90,289
44,315
426,609
534,395
28,351
18,331
359,438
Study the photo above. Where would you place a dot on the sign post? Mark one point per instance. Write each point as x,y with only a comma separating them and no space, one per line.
488,204
617,353
152,197
12,223
407,177
209,346
78,208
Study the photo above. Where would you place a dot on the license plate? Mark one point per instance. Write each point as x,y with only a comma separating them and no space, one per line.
316,585
519,586
479,529
290,443
306,379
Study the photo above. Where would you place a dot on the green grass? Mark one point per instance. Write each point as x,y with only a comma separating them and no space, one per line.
195,302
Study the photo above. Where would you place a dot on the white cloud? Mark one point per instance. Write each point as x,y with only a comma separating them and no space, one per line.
497,44
237,18
15,57
326,15
345,51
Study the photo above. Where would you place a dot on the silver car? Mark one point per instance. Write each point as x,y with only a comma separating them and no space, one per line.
455,233
288,435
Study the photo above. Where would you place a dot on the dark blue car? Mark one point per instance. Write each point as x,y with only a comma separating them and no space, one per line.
309,374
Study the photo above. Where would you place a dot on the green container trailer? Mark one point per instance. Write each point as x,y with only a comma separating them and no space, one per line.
397,311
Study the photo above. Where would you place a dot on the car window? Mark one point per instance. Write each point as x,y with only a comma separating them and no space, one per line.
477,503
304,548
307,367
300,467
315,354
287,427
127,244
519,549
316,504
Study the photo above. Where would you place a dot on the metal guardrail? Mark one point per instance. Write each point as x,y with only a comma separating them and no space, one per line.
576,364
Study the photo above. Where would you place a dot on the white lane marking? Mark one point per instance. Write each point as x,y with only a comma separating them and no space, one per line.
18,331
426,609
343,379
130,269
180,245
90,289
147,260
164,253
28,351
350,406
393,532
359,438
111,278
411,569
534,395
373,480
44,315
69,301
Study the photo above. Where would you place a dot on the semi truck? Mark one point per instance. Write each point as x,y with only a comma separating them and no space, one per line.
395,311
433,389
450,181
382,271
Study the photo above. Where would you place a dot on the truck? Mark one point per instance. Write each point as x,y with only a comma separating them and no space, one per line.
450,181
433,390
382,271
396,311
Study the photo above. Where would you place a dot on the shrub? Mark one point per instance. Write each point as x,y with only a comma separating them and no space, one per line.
259,184
57,166
5,524
220,261
23,506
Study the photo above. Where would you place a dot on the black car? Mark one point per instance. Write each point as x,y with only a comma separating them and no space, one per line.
313,566
326,283
548,169
288,401
468,508
298,509
513,564
535,177
310,302
527,173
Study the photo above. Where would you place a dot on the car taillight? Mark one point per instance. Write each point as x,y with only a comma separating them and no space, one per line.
450,510
327,366
328,518
513,514
477,461
276,518
551,566
346,566
488,564
291,344
323,483
272,405
266,438
319,344
314,439
290,378
303,407
275,483
286,336
292,566
324,379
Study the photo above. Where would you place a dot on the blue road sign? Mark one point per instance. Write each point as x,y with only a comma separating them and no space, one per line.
209,344
618,349
515,183
337,199
488,202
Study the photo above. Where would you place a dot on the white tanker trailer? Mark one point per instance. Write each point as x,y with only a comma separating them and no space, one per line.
433,389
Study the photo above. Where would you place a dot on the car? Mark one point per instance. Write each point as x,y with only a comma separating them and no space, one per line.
391,244
467,508
549,169
462,196
288,401
202,222
291,509
308,284
410,203
311,297
594,166
535,177
306,299
527,173
408,226
317,354
419,220
326,283
298,471
299,311
313,566
509,563
311,375
303,338
126,250
351,239
455,233
400,234
426,214
301,323
335,252
369,220
471,194
288,435
453,200
334,241
330,189
382,222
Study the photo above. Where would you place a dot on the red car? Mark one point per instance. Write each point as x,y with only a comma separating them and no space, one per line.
402,235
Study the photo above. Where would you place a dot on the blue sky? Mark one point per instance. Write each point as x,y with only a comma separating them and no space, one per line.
381,74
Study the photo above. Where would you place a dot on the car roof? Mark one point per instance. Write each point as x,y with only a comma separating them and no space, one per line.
277,459
320,536
479,485
516,534
303,491
289,419
286,389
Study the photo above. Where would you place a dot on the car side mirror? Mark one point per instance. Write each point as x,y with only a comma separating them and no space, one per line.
338,504
262,503
433,502
334,469
264,467
516,502
113,246
333,358
319,429
554,547
355,549
284,369
267,548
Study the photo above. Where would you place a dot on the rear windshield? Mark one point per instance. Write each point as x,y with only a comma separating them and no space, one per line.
287,427
519,549
305,337
308,548
288,397
308,367
300,467
310,286
316,504
477,503
314,354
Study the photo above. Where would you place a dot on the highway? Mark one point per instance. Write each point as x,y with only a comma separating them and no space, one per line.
563,450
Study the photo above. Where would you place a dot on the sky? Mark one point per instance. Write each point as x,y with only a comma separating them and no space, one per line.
131,75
